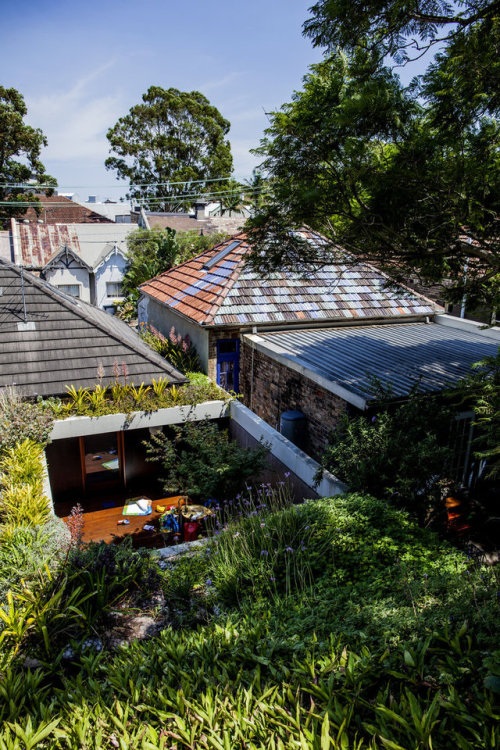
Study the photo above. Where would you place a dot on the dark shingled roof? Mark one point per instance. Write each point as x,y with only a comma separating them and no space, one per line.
64,340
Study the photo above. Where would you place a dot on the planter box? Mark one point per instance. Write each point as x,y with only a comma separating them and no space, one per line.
81,426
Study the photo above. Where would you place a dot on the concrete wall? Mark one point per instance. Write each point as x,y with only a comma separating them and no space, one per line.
81,426
163,318
284,456
270,387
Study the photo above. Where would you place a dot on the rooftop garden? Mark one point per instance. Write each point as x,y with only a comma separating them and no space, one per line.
335,623
125,398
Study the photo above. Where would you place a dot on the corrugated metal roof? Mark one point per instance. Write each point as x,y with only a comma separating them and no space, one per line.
229,292
36,244
401,356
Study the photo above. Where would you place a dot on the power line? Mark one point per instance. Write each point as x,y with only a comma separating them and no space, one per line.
44,186
144,199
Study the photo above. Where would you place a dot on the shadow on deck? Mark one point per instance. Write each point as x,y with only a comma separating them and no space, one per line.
103,511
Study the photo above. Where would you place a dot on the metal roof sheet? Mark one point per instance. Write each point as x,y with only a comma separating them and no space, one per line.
401,356
218,287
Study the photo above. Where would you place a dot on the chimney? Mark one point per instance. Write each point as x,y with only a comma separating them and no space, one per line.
199,210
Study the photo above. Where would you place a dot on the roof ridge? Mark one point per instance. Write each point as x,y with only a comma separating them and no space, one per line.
59,296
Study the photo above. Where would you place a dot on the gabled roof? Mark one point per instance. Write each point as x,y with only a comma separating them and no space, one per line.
36,244
62,340
228,292
66,256
58,208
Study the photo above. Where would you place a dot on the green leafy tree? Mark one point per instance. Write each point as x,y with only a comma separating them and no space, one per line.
231,200
400,453
204,463
172,136
20,147
191,244
150,252
406,177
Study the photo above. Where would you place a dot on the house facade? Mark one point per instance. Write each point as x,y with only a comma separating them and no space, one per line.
87,261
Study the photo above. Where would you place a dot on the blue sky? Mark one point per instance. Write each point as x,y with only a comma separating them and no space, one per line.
80,66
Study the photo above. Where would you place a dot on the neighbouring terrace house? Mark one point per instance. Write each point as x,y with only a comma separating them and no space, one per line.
303,348
85,260
217,296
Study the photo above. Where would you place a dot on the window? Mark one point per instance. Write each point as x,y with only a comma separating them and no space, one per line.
114,289
72,289
228,364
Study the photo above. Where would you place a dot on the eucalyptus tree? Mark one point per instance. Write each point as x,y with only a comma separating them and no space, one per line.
166,142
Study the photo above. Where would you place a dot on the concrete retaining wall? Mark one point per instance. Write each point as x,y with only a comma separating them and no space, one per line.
291,458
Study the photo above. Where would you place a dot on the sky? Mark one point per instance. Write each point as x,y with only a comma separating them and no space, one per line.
81,66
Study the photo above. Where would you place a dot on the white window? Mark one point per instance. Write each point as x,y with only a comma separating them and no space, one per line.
114,289
72,289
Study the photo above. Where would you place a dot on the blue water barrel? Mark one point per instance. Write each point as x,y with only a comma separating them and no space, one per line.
293,426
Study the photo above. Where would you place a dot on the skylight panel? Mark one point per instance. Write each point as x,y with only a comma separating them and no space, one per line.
222,254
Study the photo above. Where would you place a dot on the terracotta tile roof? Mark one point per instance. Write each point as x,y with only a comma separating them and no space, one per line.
219,288
57,209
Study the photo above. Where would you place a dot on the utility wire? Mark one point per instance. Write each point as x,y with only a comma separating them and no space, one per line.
45,186
144,199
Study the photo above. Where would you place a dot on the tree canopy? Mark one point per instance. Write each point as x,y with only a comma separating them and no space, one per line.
407,177
171,137
20,147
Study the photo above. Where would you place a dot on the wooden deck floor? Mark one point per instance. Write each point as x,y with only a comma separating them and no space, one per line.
101,523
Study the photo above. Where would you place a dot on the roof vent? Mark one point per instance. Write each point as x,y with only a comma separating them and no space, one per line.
220,255
28,326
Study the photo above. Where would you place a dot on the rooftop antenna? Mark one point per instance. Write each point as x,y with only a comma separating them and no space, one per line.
24,296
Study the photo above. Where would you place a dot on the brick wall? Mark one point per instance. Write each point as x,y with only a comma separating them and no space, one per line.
277,388
214,337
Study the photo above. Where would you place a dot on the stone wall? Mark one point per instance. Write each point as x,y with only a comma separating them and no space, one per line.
270,388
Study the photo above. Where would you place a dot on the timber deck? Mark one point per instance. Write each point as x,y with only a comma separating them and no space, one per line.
101,523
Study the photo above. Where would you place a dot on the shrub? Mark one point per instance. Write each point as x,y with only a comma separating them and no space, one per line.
24,550
400,453
22,500
21,420
202,462
177,349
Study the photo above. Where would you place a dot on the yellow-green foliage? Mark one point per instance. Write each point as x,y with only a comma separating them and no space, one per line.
22,500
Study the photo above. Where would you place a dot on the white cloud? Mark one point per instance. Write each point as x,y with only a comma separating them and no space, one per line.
75,122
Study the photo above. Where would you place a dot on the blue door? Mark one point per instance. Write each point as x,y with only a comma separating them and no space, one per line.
228,364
